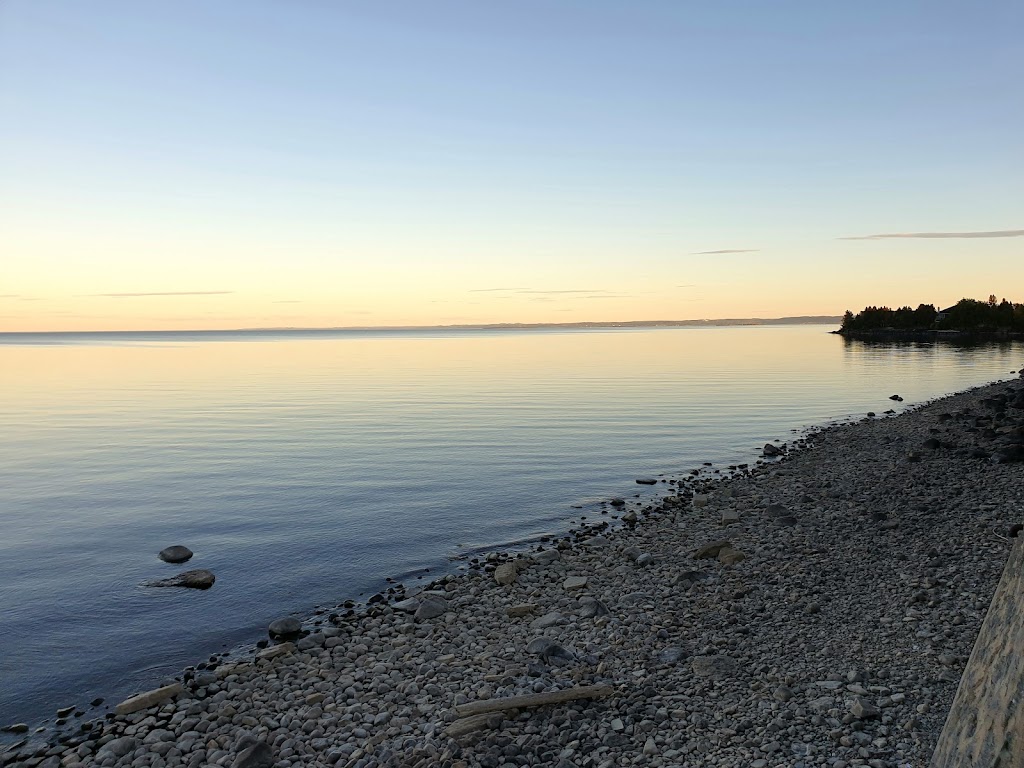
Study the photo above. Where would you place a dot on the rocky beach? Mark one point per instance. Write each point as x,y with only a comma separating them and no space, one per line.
816,610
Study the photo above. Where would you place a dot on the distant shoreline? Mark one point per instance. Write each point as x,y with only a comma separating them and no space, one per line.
716,323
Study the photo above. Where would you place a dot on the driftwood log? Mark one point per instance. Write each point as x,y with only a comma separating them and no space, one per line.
533,700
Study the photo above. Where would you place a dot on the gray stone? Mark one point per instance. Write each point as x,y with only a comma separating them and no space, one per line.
717,667
592,608
547,556
549,650
431,608
148,699
687,579
672,655
505,574
783,694
121,746
409,605
573,583
285,628
175,554
547,620
863,709
822,704
259,755
711,549
730,556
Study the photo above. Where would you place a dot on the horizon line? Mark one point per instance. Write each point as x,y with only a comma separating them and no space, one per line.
792,319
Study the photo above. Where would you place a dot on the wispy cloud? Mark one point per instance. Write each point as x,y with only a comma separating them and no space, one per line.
939,235
538,292
687,285
10,296
159,293
563,292
726,250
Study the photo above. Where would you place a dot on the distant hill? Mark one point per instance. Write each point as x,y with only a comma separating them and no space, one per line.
730,321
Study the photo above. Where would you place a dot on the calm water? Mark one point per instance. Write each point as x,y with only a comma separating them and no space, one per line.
304,468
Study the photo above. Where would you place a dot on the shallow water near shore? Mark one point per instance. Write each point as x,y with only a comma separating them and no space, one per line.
304,468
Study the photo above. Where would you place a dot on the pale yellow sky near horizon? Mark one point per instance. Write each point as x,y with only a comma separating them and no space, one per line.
217,285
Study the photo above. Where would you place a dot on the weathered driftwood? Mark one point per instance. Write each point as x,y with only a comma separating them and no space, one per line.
466,725
533,700
148,699
985,727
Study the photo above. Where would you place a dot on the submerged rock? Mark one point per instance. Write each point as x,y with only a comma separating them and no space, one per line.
197,579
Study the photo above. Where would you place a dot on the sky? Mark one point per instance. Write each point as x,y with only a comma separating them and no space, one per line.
322,163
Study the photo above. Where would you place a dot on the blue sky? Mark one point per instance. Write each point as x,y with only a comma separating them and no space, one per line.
334,163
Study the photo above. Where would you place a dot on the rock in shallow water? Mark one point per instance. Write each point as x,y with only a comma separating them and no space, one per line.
285,628
197,579
175,554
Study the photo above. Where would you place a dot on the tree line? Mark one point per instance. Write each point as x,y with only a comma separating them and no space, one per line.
965,315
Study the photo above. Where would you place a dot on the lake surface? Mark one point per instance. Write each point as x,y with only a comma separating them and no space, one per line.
303,468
